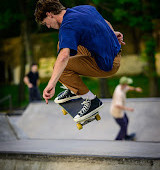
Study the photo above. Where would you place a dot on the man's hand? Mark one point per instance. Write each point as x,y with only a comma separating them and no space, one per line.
130,109
138,89
30,85
120,37
58,69
48,92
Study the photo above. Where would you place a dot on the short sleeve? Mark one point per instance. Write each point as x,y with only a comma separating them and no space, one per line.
29,75
126,89
68,38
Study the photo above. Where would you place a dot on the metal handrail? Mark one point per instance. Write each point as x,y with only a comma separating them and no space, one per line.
9,97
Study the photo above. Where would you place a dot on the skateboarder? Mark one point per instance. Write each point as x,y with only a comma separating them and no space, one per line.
31,80
88,46
118,108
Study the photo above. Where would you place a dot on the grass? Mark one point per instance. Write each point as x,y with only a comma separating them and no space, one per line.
93,84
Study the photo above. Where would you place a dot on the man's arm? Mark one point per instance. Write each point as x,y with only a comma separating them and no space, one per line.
118,34
137,89
59,67
124,108
27,82
109,25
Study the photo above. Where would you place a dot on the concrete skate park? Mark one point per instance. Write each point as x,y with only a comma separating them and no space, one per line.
43,138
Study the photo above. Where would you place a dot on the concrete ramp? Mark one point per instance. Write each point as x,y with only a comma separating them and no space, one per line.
7,132
41,121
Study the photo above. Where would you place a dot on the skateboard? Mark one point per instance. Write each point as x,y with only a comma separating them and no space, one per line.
132,137
72,107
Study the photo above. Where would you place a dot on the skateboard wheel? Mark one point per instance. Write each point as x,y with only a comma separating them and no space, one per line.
79,126
98,117
64,112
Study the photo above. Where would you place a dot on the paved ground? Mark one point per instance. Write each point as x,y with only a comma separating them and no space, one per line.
41,121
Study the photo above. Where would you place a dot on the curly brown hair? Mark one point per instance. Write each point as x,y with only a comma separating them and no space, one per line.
44,6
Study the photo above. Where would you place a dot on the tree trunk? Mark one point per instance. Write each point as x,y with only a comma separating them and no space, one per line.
153,84
152,73
22,70
136,40
27,43
25,31
26,56
104,90
150,49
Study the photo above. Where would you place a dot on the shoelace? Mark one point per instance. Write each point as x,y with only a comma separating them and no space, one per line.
64,87
86,105
65,92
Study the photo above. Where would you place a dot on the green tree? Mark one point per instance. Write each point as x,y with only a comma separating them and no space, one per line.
141,14
16,17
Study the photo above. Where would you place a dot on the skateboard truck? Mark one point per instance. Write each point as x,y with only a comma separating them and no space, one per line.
82,123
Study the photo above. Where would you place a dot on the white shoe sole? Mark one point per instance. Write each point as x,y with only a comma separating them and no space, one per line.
66,99
87,116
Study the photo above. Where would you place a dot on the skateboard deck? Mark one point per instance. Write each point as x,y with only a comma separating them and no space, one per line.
72,107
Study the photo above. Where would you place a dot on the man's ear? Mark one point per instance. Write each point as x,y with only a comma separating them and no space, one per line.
49,14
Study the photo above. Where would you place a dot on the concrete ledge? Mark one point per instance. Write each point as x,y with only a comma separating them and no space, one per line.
140,150
79,154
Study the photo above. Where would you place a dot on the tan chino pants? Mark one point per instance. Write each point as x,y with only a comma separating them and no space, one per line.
84,64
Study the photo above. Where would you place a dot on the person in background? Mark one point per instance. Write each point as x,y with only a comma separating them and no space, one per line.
118,109
32,81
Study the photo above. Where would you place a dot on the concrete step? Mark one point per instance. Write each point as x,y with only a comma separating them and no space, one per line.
79,154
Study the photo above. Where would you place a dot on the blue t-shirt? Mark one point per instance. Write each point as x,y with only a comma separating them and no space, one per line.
83,25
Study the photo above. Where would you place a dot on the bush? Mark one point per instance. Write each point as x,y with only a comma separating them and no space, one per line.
92,83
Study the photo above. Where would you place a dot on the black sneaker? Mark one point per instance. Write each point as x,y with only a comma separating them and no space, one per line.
65,96
90,107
